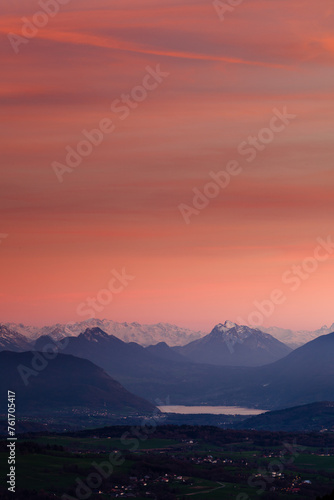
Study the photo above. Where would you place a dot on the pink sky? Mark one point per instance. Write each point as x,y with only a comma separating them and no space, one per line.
120,207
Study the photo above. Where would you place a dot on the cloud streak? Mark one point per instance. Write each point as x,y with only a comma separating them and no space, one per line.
120,207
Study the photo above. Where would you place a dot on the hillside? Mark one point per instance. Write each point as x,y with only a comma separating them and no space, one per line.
305,418
66,382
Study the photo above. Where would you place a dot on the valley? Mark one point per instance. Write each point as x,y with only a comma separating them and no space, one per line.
174,463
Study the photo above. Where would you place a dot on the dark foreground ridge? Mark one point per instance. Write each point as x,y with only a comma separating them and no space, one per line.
63,384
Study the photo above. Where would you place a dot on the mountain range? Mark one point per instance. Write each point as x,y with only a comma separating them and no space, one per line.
303,376
183,374
227,344
144,335
297,338
129,363
12,340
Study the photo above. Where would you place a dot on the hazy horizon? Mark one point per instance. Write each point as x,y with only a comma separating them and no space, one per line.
184,326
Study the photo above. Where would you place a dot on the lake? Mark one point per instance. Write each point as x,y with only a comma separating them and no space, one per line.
212,410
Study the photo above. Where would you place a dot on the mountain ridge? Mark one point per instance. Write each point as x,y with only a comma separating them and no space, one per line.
152,334
128,332
12,340
229,344
87,385
312,417
297,338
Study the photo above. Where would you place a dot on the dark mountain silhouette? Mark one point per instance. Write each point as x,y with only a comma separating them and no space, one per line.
118,358
61,384
305,376
311,417
162,350
134,366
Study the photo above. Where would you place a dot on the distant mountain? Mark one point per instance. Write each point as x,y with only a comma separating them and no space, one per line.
66,382
31,332
143,372
297,338
127,362
11,340
230,344
144,335
305,418
162,350
305,376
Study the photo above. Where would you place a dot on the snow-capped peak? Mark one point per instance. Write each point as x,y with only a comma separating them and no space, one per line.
94,334
229,324
224,327
231,333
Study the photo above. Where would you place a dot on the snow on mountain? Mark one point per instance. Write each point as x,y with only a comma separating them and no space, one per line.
297,338
11,340
231,333
172,335
238,345
144,335
32,332
224,327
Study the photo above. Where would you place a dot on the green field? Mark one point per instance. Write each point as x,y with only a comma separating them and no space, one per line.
46,472
202,490
106,444
315,462
169,465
